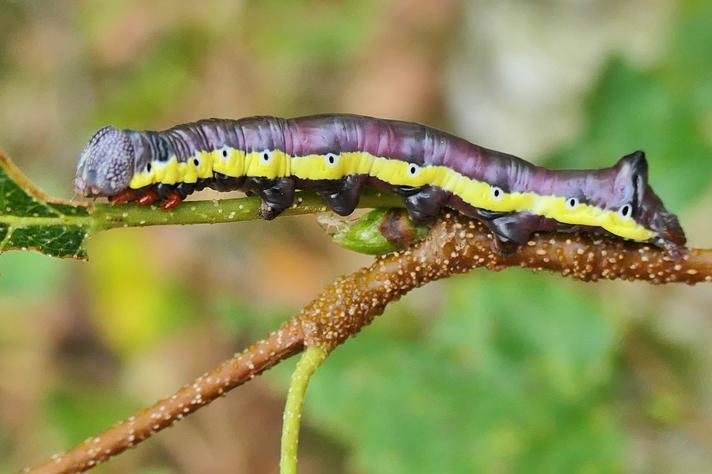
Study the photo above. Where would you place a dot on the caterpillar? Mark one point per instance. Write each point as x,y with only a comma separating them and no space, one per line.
338,154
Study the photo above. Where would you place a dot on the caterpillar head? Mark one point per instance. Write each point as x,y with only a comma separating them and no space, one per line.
637,200
106,164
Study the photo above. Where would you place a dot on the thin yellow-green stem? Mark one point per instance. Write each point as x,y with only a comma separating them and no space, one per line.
310,360
106,216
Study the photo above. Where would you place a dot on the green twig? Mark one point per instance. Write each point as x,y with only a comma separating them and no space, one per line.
107,216
310,360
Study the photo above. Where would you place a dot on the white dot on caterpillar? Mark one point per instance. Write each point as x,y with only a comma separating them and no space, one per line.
497,193
196,162
625,211
572,203
331,159
413,169
224,152
266,156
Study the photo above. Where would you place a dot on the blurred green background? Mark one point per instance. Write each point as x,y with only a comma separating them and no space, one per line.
497,373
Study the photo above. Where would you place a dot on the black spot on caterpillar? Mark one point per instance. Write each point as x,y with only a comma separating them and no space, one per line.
337,155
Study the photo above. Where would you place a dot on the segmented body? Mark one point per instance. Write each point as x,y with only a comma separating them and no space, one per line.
337,155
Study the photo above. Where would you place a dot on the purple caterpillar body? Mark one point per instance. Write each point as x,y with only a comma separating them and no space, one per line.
337,155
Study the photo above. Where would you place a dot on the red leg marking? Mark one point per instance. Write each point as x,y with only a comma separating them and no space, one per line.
171,201
149,198
124,196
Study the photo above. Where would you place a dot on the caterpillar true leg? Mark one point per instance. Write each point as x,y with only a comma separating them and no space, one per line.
125,196
172,200
149,197
143,196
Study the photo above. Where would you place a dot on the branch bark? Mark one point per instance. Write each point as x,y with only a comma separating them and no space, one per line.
454,245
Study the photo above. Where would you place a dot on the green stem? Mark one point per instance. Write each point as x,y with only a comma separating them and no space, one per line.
310,360
107,216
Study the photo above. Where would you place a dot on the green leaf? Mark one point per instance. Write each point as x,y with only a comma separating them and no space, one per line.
663,110
82,409
31,220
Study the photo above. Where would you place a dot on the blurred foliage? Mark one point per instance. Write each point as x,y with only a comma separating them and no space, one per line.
82,409
23,273
153,83
664,110
323,34
509,372
137,309
507,379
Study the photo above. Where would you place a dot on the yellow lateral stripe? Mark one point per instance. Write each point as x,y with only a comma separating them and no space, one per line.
267,164
276,163
231,165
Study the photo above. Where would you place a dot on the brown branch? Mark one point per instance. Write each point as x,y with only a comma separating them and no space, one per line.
454,245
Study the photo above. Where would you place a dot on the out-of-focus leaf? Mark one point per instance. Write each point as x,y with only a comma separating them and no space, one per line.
29,274
320,31
636,110
31,220
511,378
81,411
664,111
689,49
152,86
134,304
243,320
